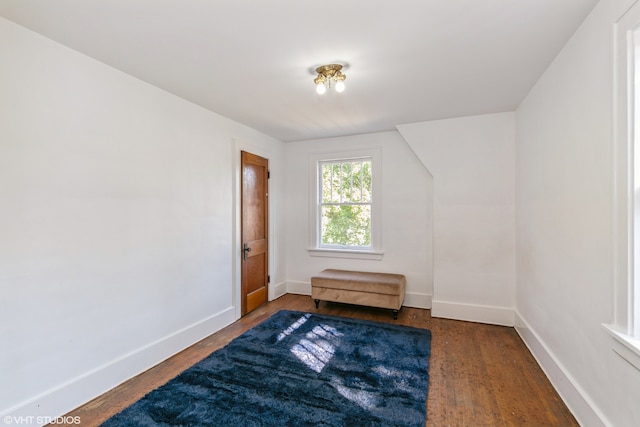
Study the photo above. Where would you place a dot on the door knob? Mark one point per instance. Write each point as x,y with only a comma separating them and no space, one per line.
245,250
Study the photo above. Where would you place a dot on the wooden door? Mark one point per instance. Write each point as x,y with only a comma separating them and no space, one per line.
255,231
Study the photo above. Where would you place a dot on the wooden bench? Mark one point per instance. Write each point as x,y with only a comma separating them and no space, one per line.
382,290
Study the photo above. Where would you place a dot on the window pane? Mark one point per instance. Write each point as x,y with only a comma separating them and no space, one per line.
335,182
346,225
356,182
345,191
366,182
326,183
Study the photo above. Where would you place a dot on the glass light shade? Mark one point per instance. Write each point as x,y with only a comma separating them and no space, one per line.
340,86
321,88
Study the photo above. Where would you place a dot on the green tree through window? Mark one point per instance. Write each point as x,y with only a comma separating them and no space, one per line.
345,203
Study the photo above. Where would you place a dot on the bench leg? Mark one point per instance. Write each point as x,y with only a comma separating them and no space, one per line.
317,303
395,314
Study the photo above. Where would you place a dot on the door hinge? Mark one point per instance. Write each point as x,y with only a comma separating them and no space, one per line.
268,174
268,279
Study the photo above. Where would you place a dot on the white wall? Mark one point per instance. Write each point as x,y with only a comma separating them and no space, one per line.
564,188
471,160
406,215
116,224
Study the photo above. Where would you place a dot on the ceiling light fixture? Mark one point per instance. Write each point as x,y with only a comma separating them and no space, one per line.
327,73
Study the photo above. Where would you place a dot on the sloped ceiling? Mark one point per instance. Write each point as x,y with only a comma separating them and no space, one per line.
252,60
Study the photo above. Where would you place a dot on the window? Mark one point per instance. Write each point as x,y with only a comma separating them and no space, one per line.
345,218
625,327
345,203
634,193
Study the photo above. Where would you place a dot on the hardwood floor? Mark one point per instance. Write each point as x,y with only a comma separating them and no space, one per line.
480,375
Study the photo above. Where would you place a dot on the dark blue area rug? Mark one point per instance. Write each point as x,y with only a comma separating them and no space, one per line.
298,369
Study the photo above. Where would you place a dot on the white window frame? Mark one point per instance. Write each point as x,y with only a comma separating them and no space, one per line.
374,252
625,327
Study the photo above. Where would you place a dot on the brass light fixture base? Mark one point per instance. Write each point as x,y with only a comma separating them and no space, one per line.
329,72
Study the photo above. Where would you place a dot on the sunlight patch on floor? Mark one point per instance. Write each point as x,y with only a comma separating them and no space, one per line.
362,398
295,325
401,379
317,347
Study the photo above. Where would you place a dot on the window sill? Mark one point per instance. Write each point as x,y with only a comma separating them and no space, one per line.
625,345
346,253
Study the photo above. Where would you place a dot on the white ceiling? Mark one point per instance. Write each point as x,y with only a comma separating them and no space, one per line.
252,60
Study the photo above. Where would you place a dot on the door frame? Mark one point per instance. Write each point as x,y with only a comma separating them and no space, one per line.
239,146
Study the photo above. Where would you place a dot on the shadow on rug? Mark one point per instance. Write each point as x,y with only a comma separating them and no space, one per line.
298,369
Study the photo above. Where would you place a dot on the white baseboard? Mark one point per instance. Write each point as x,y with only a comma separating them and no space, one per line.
300,288
578,402
416,300
473,313
411,299
80,390
278,290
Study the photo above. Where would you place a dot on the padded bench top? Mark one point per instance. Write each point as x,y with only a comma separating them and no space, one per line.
380,283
